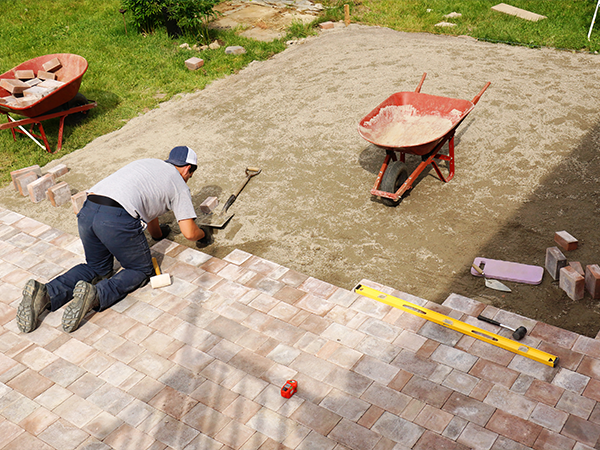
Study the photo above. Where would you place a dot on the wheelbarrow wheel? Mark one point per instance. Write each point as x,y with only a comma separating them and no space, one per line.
394,176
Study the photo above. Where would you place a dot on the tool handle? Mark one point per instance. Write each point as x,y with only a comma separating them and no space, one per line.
477,268
478,96
250,172
488,320
155,264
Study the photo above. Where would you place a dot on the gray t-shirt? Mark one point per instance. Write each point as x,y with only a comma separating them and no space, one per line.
148,188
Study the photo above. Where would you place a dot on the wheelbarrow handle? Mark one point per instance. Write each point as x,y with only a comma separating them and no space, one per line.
478,96
418,89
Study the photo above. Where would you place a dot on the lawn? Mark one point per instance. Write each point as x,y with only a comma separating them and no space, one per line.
130,73
566,26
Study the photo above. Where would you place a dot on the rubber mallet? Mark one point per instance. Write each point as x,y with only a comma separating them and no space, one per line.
160,280
517,335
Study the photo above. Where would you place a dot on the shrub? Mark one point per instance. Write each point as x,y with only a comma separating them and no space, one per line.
189,17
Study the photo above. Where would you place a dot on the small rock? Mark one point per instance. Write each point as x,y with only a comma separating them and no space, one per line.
445,24
429,9
292,42
214,45
185,45
452,15
235,50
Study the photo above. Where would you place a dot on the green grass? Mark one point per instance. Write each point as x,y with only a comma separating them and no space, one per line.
566,26
127,75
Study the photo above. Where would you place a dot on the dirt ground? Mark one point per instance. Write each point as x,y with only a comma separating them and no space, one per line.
527,165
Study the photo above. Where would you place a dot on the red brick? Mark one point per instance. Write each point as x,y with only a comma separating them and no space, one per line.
78,200
493,372
590,367
52,65
565,240
370,416
555,260
555,335
22,181
429,441
592,280
469,409
569,359
578,267
326,25
194,63
43,75
581,430
592,390
572,283
58,170
209,204
514,427
24,74
16,173
481,390
13,86
59,194
37,189
549,440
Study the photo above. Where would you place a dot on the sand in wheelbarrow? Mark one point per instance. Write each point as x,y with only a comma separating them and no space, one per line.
402,126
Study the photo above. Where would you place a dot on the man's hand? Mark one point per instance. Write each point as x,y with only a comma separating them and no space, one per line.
190,230
157,231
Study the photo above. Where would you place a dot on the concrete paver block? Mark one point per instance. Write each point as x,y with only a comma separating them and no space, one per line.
555,260
194,63
592,280
13,86
209,204
43,75
572,283
59,194
578,267
565,240
78,200
58,170
22,181
52,65
37,189
235,50
16,173
24,74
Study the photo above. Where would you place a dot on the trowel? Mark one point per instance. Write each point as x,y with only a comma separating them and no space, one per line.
492,284
220,218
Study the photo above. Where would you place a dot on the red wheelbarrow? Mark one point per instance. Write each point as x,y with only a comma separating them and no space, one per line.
58,104
416,123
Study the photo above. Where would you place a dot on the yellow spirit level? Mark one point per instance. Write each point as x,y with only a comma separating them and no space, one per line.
461,327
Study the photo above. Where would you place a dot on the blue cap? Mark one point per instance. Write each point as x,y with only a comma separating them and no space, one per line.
182,155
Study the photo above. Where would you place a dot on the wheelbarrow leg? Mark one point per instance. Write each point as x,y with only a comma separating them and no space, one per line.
449,158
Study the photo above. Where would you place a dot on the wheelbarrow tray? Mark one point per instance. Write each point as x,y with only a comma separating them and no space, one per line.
71,73
413,122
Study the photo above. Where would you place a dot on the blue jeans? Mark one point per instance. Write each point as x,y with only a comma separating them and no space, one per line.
106,233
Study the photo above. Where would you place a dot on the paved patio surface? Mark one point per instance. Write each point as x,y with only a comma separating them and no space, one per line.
199,365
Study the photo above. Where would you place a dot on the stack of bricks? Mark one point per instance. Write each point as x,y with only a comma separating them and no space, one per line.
570,275
29,181
28,88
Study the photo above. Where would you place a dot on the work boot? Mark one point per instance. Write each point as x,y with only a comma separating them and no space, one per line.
35,301
85,298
